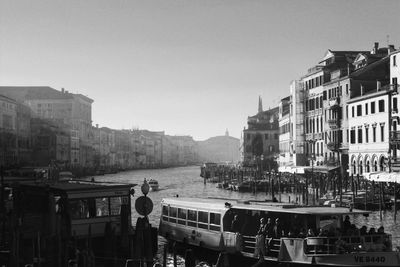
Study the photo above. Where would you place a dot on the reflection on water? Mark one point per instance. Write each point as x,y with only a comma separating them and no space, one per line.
186,182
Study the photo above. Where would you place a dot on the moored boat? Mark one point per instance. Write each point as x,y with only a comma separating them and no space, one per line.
207,223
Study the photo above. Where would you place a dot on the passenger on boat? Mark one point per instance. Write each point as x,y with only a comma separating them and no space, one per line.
269,228
372,231
310,233
381,230
278,230
260,240
363,230
235,226
346,224
247,226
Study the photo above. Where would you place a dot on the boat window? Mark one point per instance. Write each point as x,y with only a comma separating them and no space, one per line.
102,207
79,208
115,205
215,221
92,207
182,216
203,220
192,218
328,222
165,213
172,214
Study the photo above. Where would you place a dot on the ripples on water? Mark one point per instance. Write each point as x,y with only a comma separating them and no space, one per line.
186,182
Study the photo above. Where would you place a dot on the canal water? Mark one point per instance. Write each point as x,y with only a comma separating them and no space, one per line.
186,182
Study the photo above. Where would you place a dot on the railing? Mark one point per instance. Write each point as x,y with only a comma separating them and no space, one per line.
348,244
272,245
326,245
334,102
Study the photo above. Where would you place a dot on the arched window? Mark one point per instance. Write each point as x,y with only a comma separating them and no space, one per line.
382,164
360,167
367,169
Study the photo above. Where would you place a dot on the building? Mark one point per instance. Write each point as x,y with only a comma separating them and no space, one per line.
261,138
296,117
65,108
50,143
369,131
285,137
313,115
346,76
8,131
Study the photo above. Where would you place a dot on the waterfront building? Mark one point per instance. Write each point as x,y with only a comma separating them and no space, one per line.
8,131
285,128
313,115
296,117
394,86
50,143
371,108
23,132
261,138
63,107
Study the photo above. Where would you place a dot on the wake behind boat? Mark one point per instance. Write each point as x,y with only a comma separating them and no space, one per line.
209,223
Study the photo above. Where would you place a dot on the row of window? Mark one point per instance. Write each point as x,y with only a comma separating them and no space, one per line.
315,82
370,108
363,134
192,218
266,136
314,103
284,128
316,149
314,125
7,105
95,207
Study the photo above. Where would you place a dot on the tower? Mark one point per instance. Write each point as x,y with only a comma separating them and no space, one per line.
260,107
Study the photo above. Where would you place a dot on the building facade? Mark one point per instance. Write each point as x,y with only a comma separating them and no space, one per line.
261,138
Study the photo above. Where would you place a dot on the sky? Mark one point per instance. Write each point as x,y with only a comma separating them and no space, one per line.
186,67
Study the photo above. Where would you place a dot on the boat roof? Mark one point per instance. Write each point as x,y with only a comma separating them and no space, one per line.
214,204
78,186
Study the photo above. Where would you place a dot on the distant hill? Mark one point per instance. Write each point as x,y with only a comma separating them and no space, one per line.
219,149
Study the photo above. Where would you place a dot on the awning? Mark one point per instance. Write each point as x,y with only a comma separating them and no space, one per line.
386,177
321,169
292,169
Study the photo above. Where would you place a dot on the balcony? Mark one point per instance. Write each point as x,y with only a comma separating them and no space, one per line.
333,146
334,123
395,137
334,102
313,136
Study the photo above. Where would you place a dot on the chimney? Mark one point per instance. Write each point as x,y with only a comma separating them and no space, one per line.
362,89
378,86
375,49
62,90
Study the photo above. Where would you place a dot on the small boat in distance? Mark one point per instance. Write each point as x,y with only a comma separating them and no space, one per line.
154,185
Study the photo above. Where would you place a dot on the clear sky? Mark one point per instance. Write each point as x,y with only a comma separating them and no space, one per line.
186,67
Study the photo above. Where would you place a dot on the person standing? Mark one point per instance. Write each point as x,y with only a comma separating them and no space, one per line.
260,239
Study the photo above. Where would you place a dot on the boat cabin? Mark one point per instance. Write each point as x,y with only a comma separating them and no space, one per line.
300,233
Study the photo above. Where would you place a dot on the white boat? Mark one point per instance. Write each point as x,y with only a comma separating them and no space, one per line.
154,186
206,223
